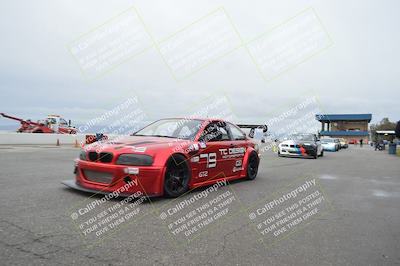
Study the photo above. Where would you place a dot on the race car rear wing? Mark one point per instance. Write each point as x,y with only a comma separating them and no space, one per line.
253,126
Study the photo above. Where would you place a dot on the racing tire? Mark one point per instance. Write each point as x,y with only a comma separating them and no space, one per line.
252,166
177,176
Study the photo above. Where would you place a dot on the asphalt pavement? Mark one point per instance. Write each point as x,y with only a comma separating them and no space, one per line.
360,223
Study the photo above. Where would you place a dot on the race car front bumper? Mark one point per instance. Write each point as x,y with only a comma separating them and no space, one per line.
302,151
110,178
74,185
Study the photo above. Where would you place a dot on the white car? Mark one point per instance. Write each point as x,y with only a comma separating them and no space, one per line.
329,144
301,145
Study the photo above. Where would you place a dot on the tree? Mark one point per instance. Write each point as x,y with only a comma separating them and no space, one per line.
384,124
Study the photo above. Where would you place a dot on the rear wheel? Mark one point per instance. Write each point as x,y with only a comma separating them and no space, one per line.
177,176
252,165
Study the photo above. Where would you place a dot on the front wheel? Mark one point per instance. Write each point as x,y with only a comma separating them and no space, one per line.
177,176
252,165
322,153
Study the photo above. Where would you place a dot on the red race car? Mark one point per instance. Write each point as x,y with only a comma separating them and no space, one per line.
167,157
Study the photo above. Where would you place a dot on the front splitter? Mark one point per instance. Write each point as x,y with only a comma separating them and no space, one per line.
72,184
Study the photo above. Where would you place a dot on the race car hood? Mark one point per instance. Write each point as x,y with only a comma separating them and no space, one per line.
141,144
297,142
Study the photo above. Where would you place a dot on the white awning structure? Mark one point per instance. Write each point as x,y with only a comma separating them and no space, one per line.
383,132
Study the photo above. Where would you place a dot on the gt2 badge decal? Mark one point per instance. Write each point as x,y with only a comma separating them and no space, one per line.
203,174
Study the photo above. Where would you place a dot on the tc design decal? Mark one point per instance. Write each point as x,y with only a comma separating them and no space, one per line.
232,152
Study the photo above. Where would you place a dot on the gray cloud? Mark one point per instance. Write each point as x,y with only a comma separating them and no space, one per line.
358,74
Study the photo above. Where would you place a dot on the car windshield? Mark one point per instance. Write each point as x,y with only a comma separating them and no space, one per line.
305,137
171,128
327,141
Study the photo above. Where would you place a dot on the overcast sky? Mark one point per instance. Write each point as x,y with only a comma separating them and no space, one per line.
358,73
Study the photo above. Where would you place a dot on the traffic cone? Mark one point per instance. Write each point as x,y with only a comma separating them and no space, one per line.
58,142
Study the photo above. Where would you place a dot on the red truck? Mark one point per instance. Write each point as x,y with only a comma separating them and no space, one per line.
52,124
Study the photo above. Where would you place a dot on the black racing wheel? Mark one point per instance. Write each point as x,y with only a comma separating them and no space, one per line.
177,176
252,165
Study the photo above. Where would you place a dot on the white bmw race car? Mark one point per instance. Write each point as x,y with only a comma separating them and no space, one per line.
301,145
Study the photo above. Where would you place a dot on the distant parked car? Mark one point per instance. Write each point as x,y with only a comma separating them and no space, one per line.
337,141
353,141
301,145
329,144
343,143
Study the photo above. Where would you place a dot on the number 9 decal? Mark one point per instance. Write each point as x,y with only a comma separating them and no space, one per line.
211,159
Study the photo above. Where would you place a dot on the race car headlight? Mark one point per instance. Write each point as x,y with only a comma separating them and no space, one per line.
309,144
82,156
135,159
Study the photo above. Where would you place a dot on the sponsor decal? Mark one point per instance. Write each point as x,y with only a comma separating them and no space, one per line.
232,152
211,159
195,159
237,169
203,174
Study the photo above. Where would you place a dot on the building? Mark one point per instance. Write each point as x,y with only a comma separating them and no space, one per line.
351,127
388,135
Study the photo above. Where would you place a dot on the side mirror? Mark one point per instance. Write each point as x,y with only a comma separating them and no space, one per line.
251,133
